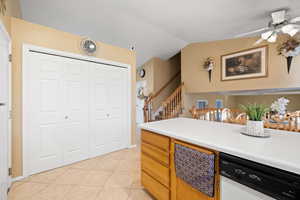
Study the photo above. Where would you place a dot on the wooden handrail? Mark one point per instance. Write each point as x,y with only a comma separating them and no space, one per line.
171,107
165,85
149,101
173,94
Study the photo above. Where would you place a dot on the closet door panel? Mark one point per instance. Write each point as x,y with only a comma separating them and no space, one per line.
45,116
117,106
76,105
99,117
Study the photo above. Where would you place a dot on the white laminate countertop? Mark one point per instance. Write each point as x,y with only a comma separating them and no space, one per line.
281,150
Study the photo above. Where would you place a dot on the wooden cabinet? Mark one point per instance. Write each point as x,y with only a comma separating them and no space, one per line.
156,164
159,191
159,155
159,141
158,169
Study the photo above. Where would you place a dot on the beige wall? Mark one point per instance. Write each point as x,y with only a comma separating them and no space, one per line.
196,79
13,9
158,73
148,78
163,72
5,20
28,33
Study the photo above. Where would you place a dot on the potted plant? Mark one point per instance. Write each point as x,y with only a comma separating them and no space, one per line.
255,123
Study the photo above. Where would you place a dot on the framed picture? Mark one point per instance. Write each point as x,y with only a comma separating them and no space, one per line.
251,63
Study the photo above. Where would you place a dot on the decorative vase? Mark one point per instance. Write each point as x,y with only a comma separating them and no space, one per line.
255,128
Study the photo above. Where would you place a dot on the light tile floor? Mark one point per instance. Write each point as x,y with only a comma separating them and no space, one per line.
115,176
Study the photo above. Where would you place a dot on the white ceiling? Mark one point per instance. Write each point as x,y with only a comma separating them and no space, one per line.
157,28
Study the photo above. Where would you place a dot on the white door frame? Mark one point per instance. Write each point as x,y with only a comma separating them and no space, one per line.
5,148
27,48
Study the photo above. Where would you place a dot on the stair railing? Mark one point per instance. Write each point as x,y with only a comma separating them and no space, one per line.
172,106
148,106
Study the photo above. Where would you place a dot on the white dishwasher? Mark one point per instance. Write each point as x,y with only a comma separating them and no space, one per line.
231,190
246,180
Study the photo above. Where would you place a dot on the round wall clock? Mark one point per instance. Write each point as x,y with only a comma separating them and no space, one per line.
142,73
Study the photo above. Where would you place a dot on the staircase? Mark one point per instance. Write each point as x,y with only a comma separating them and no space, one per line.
169,108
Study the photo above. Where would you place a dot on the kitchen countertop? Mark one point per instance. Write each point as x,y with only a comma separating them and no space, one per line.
281,150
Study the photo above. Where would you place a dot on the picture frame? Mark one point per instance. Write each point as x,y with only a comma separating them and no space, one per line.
245,64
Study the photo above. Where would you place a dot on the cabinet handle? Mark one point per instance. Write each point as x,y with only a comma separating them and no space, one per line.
66,117
2,104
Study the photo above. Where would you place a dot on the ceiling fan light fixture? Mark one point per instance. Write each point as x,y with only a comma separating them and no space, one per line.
272,38
293,32
287,28
290,29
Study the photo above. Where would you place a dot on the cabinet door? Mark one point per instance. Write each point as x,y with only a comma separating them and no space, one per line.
180,190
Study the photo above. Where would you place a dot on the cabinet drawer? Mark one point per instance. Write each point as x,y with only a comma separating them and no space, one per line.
156,153
156,170
157,140
159,191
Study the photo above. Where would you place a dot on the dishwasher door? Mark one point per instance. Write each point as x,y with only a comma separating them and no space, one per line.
231,190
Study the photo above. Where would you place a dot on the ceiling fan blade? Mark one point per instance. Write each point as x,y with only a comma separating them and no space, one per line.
273,38
291,29
295,20
260,40
267,35
252,32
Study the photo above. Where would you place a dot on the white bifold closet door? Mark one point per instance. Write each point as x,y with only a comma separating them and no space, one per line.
108,101
77,110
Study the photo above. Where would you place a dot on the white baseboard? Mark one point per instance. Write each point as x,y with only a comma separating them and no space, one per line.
132,146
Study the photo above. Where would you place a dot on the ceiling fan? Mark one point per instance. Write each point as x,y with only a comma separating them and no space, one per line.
280,23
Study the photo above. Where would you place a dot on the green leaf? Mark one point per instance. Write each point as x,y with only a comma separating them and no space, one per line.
255,111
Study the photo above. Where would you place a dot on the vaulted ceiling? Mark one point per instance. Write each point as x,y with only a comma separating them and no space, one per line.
157,28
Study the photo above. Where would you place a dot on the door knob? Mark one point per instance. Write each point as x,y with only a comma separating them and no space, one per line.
66,117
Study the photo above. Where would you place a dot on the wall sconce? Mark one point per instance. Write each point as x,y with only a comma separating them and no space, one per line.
209,66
